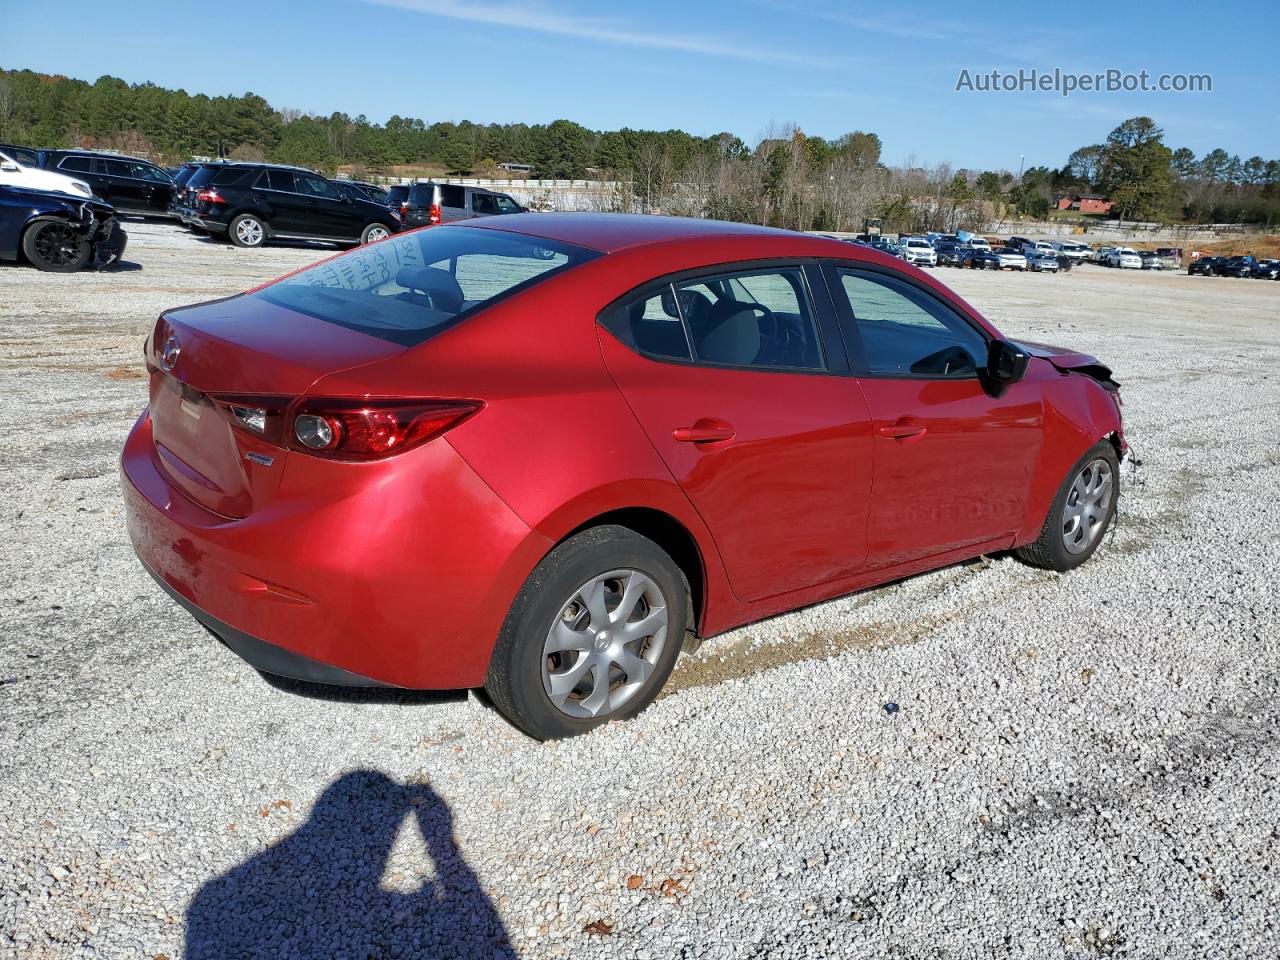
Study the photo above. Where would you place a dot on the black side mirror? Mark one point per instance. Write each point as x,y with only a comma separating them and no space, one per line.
1005,362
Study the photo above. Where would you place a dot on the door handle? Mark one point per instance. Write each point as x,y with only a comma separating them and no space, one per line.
904,429
705,430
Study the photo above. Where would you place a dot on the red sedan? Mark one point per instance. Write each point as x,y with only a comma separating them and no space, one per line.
543,453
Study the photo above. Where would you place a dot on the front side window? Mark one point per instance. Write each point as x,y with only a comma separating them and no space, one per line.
505,204
751,319
316,187
906,332
413,286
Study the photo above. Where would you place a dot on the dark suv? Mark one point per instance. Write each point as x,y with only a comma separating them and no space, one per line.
187,183
430,203
254,202
129,184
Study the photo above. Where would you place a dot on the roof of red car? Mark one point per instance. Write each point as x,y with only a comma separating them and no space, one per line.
610,232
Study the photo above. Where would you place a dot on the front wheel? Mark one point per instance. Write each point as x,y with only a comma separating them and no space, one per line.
374,232
247,230
55,246
1080,514
592,636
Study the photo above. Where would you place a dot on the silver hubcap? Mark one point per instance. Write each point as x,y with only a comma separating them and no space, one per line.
604,644
249,232
377,233
1088,502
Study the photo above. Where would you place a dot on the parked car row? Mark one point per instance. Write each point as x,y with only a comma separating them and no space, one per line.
247,203
1241,267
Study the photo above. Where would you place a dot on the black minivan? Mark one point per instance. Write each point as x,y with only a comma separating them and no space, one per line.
129,184
255,202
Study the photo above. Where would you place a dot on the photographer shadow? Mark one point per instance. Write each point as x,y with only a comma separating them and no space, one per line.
319,893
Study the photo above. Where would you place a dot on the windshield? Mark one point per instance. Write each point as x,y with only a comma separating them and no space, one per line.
408,288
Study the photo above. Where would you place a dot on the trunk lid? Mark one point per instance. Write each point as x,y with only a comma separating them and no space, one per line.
257,353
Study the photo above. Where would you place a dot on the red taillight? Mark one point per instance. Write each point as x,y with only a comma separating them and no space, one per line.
404,212
209,196
372,429
434,216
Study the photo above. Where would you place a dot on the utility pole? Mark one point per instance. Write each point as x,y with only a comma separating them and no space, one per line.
1021,159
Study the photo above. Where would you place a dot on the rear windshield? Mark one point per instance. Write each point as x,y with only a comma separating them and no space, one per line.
202,175
420,194
410,287
231,176
396,195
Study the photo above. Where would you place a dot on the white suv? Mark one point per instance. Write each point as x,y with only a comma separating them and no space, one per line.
917,251
14,174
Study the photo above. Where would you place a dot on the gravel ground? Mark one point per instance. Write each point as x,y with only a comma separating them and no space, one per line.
1079,766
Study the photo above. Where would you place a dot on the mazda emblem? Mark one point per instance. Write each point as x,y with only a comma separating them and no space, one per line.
169,356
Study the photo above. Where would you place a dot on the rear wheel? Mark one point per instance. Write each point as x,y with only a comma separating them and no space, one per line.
1080,514
247,230
592,636
56,246
374,232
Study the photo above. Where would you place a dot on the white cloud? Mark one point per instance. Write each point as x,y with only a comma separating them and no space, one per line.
536,17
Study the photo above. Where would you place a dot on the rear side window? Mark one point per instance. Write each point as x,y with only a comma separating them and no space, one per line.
905,332
278,180
229,176
760,319
757,319
483,203
117,168
415,285
453,197
652,324
79,164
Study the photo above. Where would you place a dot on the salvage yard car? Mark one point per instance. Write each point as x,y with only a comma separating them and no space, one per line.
427,204
1010,258
56,231
130,184
545,453
251,203
1205,266
16,172
918,251
1124,258
1042,262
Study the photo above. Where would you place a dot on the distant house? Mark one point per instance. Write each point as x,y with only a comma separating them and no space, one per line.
1084,203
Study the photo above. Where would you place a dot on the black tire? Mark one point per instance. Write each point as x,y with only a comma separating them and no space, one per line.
55,246
246,230
515,680
374,232
1049,551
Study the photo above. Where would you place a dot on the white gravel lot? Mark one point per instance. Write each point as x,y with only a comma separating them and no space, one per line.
1082,765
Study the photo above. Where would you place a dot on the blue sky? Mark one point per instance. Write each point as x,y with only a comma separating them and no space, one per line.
827,66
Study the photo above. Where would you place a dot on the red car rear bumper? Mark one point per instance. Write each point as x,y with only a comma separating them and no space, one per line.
394,573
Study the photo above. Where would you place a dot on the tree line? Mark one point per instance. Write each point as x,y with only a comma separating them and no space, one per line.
787,179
